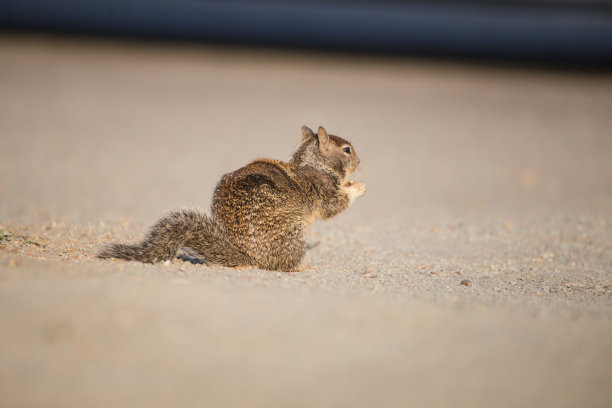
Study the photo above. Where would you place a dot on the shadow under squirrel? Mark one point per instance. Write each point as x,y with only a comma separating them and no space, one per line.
260,211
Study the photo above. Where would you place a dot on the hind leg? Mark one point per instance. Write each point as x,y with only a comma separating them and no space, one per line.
287,258
286,255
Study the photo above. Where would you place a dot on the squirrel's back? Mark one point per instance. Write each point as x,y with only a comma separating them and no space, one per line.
261,206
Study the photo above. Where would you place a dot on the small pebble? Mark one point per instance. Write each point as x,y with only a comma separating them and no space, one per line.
370,275
466,282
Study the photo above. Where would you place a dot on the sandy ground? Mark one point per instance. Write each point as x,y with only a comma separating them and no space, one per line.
498,176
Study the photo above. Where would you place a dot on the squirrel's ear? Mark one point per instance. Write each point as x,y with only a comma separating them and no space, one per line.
307,133
323,137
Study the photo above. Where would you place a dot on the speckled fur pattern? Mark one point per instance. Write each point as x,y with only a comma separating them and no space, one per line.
182,228
260,211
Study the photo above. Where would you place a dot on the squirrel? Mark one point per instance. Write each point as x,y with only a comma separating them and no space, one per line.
260,211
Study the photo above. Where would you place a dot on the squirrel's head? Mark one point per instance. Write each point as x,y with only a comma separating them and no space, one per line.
326,151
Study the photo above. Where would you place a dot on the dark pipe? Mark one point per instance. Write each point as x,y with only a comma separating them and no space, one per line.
531,32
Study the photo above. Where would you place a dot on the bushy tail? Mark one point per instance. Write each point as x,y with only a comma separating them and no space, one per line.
184,228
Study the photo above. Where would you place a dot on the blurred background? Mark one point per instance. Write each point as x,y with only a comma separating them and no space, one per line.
484,132
132,107
569,31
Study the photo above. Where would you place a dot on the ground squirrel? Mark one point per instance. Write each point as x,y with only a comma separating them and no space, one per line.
260,211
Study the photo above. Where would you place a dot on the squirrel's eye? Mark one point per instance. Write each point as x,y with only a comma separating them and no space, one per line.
347,150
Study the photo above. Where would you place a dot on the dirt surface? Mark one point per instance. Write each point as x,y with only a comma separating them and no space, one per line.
475,272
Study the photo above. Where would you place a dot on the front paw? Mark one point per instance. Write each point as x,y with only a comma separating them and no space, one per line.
355,190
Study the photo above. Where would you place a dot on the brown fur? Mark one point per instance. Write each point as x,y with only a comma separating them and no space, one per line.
260,211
